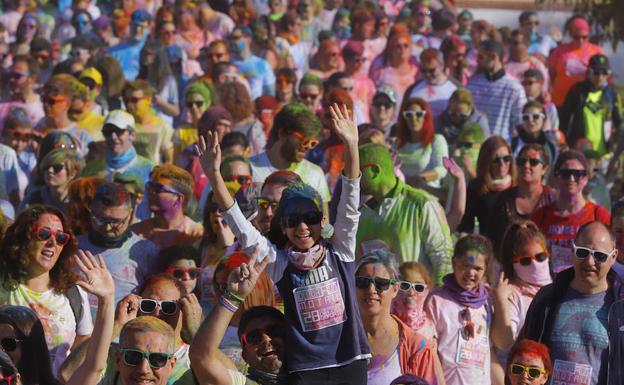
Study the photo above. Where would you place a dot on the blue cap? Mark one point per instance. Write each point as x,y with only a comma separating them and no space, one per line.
140,15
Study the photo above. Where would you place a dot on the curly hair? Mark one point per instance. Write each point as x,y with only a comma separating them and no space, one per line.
14,257
236,99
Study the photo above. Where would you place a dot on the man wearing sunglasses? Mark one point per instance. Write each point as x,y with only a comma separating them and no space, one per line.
592,110
423,237
129,257
578,315
294,134
22,79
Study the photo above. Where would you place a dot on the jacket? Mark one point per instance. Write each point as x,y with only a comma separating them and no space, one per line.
543,310
416,356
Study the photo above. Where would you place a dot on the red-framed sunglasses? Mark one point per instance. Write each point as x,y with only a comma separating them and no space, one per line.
179,272
467,331
44,233
254,336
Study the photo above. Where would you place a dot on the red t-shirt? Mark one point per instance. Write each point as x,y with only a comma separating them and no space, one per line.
560,231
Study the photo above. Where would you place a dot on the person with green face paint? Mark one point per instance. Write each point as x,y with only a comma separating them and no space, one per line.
197,99
410,221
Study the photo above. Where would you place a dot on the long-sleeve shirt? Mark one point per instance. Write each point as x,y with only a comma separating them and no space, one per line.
417,159
324,327
412,224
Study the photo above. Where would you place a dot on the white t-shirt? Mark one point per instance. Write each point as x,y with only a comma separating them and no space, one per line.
437,95
308,171
57,318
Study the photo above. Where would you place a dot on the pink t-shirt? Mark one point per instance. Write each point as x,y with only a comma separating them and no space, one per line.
399,82
464,361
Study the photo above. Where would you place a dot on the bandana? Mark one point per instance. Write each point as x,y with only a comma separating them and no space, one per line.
409,308
307,260
471,298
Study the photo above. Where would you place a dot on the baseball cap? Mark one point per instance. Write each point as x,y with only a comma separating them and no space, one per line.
120,119
140,15
599,61
92,73
388,92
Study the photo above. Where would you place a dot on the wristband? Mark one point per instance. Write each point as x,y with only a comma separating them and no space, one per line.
234,296
228,304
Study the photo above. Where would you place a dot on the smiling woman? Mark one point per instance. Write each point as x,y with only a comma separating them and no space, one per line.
36,271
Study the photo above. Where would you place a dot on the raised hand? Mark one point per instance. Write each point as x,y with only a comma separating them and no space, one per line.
191,316
502,291
243,279
344,124
97,279
452,167
209,153
127,309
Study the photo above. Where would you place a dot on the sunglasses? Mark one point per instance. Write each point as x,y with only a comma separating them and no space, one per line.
161,188
9,344
56,168
108,132
311,218
133,99
264,204
134,357
465,145
52,101
381,284
90,83
601,71
462,115
534,162
387,106
17,75
526,261
502,159
308,96
427,71
254,337
468,330
417,286
532,371
23,137
414,114
305,143
149,306
243,180
196,103
44,233
584,252
179,272
532,117
565,174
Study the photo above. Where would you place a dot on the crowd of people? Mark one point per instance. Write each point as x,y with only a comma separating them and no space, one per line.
306,192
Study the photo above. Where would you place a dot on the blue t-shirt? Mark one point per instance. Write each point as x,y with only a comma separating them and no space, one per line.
579,341
259,74
127,54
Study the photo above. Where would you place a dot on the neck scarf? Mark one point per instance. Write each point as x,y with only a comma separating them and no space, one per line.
307,260
107,242
118,161
264,378
501,184
410,309
471,298
494,76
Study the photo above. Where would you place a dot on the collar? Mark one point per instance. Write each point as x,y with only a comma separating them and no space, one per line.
494,76
396,191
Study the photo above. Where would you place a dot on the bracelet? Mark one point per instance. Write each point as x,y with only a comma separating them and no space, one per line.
234,296
228,304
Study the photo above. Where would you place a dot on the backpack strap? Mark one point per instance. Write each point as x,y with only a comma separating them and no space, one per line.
75,302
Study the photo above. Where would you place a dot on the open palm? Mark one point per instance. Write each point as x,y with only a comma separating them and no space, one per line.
97,279
209,153
344,123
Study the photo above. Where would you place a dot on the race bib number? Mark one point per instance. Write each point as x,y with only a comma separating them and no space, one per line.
571,373
575,67
561,258
320,306
474,351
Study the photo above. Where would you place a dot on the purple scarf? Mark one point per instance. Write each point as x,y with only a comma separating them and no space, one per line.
471,298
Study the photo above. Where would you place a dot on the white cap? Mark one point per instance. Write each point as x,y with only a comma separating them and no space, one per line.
120,119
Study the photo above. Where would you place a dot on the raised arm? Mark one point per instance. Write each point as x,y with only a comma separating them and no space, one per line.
210,158
345,127
208,363
99,282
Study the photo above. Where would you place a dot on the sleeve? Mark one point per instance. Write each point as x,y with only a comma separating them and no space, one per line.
347,219
167,133
269,80
85,325
439,151
515,117
258,138
432,310
436,238
467,223
603,215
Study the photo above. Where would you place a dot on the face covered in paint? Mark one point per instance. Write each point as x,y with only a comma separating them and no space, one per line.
410,301
163,198
528,363
143,372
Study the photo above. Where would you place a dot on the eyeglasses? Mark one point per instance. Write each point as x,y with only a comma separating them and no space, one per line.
44,233
254,337
534,162
196,103
133,99
179,272
387,106
108,132
526,261
533,117
414,114
311,218
381,284
532,371
583,252
305,143
417,286
115,224
161,188
134,357
502,159
9,344
46,100
468,330
600,71
264,204
462,115
308,96
427,71
243,180
15,75
464,145
565,174
148,306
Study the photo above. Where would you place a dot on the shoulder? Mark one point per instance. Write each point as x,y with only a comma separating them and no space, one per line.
418,196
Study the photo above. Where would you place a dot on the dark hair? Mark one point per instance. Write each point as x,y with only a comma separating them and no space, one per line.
33,65
112,194
526,15
288,73
137,85
234,158
112,76
540,149
474,242
493,46
218,69
335,78
176,253
156,73
534,104
571,155
256,312
17,118
40,44
14,259
282,178
83,41
34,366
293,117
517,235
234,138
